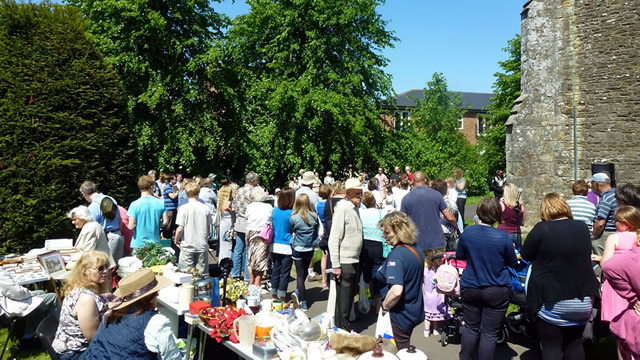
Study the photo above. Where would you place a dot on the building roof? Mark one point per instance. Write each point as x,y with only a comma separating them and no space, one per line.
476,101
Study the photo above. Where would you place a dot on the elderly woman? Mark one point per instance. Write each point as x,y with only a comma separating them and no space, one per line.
403,272
132,328
512,214
258,216
562,284
82,306
484,285
92,236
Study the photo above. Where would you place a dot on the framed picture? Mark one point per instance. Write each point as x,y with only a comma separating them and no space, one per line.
52,262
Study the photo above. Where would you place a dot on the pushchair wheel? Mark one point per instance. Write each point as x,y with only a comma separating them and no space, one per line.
503,335
444,338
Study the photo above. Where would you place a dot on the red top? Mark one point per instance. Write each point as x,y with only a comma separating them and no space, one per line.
509,222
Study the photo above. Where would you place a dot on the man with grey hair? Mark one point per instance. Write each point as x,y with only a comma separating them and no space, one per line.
605,223
345,244
111,227
240,203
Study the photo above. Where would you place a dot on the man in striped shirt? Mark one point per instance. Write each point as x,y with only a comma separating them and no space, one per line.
581,208
605,224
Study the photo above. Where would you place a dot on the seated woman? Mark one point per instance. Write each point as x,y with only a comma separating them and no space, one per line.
82,306
132,328
92,236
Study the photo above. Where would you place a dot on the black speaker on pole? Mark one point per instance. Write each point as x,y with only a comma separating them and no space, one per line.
605,168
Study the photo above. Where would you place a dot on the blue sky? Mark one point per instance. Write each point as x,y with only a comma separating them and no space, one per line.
463,39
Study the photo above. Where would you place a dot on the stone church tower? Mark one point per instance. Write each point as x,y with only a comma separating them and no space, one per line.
580,101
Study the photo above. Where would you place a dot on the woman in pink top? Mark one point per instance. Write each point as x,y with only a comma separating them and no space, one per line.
622,274
627,226
512,214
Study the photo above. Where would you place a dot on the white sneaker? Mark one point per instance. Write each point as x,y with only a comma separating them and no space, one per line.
296,302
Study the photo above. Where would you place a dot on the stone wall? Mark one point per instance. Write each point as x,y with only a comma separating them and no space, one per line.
582,52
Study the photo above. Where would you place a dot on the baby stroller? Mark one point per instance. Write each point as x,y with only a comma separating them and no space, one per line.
452,325
516,322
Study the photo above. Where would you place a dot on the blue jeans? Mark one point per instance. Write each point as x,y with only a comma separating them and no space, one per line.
280,274
240,256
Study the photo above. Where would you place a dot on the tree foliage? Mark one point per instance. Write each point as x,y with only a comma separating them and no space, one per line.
162,51
507,89
63,120
431,142
309,85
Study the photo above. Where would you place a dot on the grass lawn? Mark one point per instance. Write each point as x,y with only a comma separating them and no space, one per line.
36,353
472,200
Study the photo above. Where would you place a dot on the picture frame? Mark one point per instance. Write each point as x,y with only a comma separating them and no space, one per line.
52,262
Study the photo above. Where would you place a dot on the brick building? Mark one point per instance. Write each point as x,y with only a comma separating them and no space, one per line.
470,124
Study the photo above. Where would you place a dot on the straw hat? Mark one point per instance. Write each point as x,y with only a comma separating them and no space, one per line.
136,286
308,178
353,183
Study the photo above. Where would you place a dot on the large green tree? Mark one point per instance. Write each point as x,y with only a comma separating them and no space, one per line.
162,51
431,142
507,89
63,119
310,82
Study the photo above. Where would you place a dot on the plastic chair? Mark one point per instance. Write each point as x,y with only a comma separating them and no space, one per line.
46,333
6,321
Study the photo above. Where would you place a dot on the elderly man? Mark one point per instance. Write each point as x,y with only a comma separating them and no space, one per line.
110,221
145,214
605,224
408,174
396,174
329,180
306,187
424,206
345,243
242,200
382,179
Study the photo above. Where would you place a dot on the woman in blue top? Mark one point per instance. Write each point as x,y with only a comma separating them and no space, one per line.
485,282
461,188
304,225
324,192
374,248
281,247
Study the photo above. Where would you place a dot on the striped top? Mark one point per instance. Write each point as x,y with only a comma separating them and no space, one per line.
169,203
606,209
572,312
583,210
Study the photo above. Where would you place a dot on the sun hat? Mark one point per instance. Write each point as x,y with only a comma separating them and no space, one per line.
308,178
599,177
136,286
353,183
277,190
329,173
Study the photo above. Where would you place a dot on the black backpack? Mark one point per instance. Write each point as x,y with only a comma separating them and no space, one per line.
109,208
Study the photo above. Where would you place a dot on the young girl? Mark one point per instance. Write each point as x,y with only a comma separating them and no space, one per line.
435,309
625,238
304,229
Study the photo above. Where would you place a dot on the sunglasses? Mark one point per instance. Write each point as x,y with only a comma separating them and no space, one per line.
100,268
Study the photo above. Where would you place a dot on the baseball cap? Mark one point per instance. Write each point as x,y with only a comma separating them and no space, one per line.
599,177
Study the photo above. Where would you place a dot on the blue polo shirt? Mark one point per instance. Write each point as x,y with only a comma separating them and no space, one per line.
96,213
424,205
606,209
404,268
169,203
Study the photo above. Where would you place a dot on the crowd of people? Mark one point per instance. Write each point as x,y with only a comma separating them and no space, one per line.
389,230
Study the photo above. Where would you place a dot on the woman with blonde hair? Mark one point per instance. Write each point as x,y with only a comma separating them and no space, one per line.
83,305
513,213
224,216
402,272
304,224
562,285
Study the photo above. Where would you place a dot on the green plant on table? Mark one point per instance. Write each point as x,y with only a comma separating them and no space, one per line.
152,254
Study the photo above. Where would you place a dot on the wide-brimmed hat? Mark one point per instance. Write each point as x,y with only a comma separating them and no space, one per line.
136,286
353,183
308,178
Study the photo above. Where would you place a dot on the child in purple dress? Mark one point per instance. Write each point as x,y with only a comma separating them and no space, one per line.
435,309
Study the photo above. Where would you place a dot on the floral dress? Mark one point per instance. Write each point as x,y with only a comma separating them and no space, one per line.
69,337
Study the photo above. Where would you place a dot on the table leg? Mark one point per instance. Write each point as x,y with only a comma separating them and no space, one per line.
189,338
203,344
55,289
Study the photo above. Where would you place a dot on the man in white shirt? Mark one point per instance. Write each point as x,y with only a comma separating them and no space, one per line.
192,234
306,187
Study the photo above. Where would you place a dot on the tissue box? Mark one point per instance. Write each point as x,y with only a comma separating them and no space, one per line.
179,278
265,350
196,306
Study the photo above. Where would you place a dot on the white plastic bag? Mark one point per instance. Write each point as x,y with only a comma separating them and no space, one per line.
383,326
363,301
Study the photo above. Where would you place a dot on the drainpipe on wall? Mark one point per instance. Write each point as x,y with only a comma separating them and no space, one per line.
574,85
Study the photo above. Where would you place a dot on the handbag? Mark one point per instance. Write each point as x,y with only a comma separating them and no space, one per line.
230,235
267,233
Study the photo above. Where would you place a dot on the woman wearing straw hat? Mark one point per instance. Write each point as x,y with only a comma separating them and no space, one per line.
132,328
